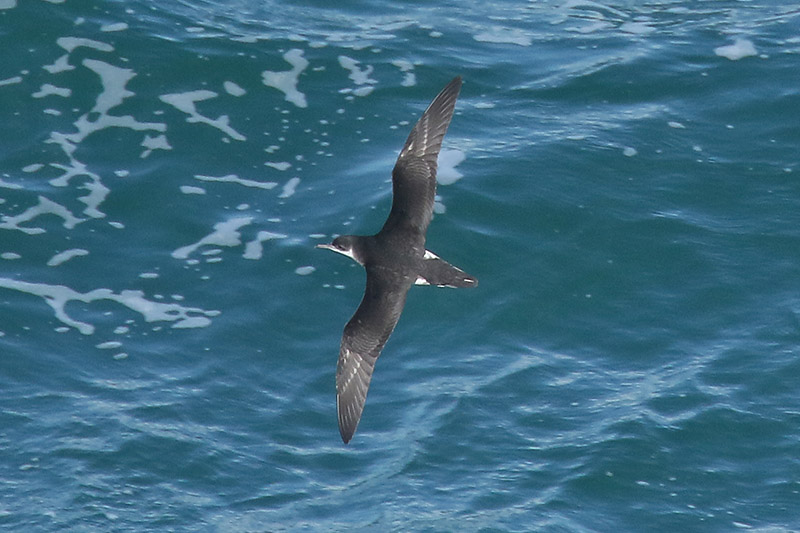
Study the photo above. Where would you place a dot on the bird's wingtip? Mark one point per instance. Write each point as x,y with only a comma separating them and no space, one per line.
346,433
454,83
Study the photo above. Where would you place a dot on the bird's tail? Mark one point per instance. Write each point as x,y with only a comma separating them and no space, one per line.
437,271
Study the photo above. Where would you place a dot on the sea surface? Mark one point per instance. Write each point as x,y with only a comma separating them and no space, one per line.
623,178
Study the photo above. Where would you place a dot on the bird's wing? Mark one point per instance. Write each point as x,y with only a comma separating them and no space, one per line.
414,174
363,339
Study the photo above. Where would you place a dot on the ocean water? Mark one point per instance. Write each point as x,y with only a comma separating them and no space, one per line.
621,176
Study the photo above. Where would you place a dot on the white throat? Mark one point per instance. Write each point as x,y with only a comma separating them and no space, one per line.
347,253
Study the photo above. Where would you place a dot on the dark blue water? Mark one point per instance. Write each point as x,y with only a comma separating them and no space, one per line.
622,178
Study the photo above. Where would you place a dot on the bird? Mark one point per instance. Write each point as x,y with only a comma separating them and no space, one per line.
395,259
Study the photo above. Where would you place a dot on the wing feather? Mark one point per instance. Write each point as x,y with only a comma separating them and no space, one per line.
414,174
362,341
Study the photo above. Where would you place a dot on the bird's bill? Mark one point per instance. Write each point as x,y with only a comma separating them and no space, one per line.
326,246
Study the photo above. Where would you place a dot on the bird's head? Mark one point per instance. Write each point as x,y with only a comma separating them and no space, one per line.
345,245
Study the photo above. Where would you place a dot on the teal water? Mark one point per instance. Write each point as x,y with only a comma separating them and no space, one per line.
620,176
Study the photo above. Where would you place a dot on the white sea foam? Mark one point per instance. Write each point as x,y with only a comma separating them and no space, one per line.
233,89
225,234
7,185
71,43
304,270
66,255
407,68
254,249
114,80
739,49
289,188
44,207
187,101
498,35
358,75
97,191
57,297
116,26
637,28
158,142
283,165
48,89
363,90
109,345
448,160
286,81
59,65
361,77
233,178
11,81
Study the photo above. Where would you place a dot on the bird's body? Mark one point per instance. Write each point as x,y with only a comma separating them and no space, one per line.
395,259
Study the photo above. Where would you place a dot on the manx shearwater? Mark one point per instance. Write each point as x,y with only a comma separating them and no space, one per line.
395,258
